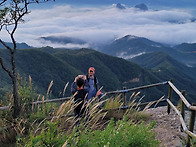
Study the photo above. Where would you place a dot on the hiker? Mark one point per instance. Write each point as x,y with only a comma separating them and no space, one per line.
92,84
79,98
74,85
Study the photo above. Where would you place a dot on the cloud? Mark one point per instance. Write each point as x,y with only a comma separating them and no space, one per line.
99,25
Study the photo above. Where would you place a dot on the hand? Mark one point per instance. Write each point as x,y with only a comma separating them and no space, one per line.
75,79
84,77
98,93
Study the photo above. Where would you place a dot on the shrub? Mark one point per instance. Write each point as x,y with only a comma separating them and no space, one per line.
123,133
50,136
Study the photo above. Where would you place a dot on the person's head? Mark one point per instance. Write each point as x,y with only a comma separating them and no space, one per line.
80,82
91,71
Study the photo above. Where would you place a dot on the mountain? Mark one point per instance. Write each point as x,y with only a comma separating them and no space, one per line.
142,7
62,66
42,67
186,48
189,53
130,46
19,45
165,67
120,6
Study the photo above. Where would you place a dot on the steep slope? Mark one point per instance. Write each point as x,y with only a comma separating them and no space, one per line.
113,73
43,67
165,67
105,65
62,66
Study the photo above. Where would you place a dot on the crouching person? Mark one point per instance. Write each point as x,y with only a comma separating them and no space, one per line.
79,98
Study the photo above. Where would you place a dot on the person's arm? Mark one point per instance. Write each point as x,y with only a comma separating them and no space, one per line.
73,87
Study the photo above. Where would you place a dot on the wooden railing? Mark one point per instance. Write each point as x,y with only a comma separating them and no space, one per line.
181,115
184,102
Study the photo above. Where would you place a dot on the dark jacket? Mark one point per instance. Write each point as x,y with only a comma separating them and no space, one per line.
79,99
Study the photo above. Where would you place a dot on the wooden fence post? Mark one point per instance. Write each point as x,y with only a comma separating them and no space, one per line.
182,107
169,97
191,125
124,97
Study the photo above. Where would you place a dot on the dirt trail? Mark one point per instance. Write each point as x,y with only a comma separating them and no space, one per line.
168,129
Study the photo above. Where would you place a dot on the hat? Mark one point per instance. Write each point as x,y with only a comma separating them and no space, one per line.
91,68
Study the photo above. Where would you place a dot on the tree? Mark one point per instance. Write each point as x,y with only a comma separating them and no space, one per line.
11,15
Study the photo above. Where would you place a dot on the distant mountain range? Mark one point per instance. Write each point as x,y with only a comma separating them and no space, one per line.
19,46
130,46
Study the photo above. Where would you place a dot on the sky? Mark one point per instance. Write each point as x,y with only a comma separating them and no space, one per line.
98,22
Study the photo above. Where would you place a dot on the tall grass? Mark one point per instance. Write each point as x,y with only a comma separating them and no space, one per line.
54,125
94,128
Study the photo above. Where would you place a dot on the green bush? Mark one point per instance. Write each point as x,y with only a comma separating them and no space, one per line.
123,133
50,136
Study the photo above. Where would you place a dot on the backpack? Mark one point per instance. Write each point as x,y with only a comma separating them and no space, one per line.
95,81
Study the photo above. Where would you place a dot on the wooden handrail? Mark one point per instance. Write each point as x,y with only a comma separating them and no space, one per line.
137,88
190,134
111,92
4,108
179,114
180,95
52,100
192,108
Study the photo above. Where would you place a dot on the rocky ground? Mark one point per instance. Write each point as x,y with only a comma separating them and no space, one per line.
168,129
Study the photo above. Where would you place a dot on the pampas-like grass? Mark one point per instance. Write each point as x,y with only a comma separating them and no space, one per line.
49,87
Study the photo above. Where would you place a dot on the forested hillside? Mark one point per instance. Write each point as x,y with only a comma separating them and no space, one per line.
61,66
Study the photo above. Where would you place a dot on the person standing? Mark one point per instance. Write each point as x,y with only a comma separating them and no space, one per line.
92,84
79,99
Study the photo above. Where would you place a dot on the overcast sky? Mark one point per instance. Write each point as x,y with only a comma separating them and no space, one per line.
104,23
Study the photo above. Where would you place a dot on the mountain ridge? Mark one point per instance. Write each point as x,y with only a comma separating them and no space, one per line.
62,66
130,46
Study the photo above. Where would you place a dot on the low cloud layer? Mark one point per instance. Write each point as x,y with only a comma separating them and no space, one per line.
100,25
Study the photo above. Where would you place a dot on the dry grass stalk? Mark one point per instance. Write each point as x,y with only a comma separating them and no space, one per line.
65,88
159,101
113,103
139,102
133,103
38,127
49,87
42,102
30,81
96,119
36,105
